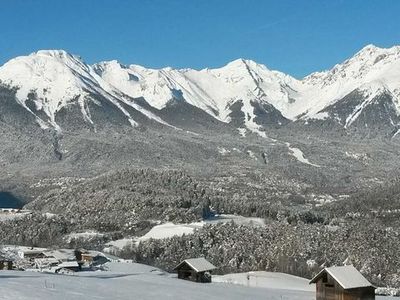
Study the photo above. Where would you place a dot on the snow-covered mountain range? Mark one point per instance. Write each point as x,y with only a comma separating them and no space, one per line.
364,90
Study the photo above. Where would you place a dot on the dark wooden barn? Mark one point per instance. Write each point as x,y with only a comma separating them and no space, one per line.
195,269
5,263
342,283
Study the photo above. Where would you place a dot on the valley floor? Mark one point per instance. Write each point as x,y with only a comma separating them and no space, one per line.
136,281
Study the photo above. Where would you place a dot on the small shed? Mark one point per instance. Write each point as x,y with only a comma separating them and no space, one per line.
342,283
5,263
195,269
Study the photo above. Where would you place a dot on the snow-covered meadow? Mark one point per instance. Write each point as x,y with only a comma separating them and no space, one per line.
168,230
135,281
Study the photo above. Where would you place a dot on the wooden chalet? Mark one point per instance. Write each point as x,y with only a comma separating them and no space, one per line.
87,257
342,283
92,258
195,269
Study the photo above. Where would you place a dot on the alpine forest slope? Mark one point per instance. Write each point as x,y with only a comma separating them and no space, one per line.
114,150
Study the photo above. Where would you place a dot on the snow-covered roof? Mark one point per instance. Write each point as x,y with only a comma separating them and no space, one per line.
32,250
198,264
61,254
347,276
46,260
68,264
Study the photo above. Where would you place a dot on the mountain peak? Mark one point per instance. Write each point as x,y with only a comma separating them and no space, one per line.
372,51
56,53
113,62
241,62
369,47
100,67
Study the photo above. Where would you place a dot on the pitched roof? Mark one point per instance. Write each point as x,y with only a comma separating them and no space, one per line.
347,276
198,264
68,264
61,254
32,250
47,260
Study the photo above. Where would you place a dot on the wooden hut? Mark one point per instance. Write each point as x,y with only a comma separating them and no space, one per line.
195,269
342,283
5,263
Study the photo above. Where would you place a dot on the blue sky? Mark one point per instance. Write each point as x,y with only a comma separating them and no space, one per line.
293,36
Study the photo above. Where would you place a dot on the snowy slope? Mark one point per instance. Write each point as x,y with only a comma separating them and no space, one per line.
272,280
212,90
129,281
371,70
54,79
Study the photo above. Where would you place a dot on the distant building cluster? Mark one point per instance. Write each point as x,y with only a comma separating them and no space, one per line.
54,260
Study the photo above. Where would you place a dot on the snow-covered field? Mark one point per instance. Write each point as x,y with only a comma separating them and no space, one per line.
299,155
224,218
9,214
136,281
82,235
269,280
161,231
168,230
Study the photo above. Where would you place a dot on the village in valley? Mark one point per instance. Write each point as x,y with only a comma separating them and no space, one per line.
63,261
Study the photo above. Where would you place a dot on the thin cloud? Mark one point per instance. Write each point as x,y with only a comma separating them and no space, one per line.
271,24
